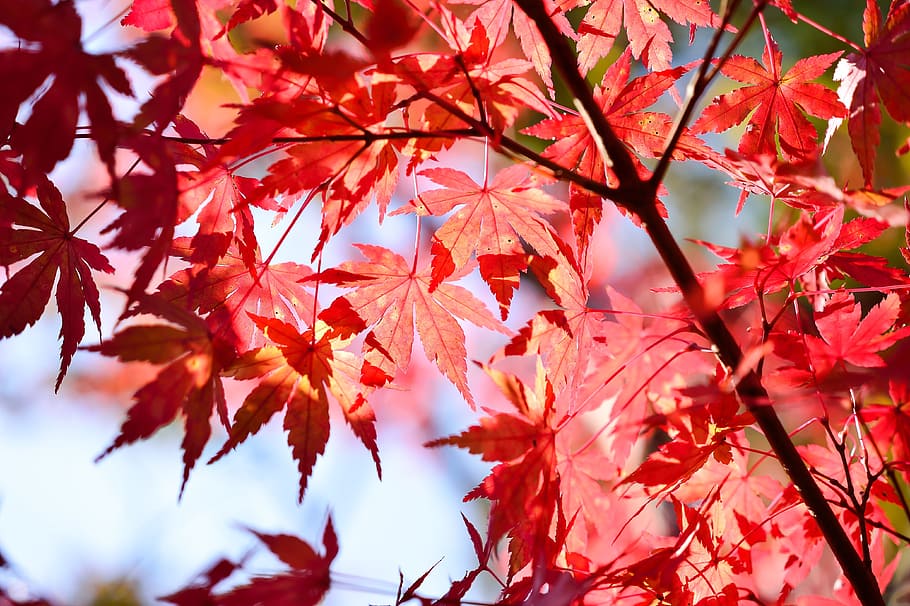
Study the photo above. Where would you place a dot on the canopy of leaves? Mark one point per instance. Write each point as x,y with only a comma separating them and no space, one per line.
643,427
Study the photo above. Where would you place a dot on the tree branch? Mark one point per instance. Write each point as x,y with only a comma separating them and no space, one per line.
640,197
365,136
616,156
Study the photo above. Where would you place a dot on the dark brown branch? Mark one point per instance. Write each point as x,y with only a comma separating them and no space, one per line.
564,59
639,196
511,147
755,398
364,136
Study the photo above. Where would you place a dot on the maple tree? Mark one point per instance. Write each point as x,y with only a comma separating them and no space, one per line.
644,452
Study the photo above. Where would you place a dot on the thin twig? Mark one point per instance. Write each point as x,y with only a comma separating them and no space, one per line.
365,136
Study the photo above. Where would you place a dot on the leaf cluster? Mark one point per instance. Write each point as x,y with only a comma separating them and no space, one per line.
613,406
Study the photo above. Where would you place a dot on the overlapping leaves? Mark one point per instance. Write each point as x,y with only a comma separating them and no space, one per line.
296,373
346,119
394,299
493,221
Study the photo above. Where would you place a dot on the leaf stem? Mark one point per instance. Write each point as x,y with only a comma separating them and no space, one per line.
101,204
830,33
417,234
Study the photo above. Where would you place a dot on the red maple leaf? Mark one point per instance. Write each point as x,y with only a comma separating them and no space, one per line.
54,51
649,36
217,195
338,153
879,71
849,337
676,461
200,592
393,298
492,219
190,383
755,271
25,294
241,287
890,423
801,184
524,486
150,204
247,10
179,57
563,337
777,103
845,340
495,15
486,89
296,375
304,585
623,102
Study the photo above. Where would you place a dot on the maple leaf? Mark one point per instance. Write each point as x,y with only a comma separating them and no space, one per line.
297,374
54,51
800,184
241,287
350,171
200,593
709,570
217,195
489,224
675,462
623,102
702,424
178,56
890,423
845,340
848,337
491,91
190,383
247,10
662,573
739,490
26,293
524,486
193,40
393,298
649,36
150,206
755,271
563,337
878,72
304,585
803,184
777,103
150,15
495,15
